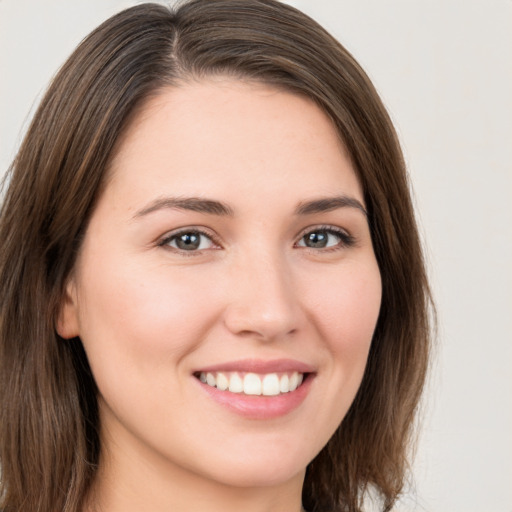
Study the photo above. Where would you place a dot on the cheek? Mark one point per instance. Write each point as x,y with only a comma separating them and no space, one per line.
348,309
141,316
346,314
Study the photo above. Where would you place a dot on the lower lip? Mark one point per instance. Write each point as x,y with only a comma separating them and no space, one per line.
260,407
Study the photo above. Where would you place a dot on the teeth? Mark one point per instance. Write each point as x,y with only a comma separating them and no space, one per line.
252,384
236,384
222,382
270,384
294,381
210,379
284,384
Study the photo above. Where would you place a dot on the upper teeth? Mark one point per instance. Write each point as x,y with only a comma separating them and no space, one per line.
269,384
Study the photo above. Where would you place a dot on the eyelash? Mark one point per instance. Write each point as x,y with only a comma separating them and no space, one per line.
345,239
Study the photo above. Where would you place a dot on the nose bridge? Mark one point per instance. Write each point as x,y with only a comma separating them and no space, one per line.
262,299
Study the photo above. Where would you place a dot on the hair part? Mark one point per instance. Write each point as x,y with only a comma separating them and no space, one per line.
49,423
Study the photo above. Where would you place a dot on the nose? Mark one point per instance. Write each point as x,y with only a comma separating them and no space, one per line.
262,300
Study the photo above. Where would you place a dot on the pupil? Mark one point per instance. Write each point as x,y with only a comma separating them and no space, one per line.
317,240
188,241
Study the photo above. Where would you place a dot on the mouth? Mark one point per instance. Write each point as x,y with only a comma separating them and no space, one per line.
253,384
257,389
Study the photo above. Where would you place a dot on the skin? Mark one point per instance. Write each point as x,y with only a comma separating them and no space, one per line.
150,314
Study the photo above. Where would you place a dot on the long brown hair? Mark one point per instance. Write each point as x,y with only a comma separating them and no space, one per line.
49,443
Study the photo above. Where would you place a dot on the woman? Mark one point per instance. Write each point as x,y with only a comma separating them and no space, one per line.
213,293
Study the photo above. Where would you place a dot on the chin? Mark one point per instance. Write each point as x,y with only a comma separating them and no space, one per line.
257,477
263,468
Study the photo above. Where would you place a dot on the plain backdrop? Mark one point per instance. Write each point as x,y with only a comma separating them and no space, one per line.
443,68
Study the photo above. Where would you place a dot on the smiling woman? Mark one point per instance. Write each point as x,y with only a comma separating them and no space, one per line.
213,290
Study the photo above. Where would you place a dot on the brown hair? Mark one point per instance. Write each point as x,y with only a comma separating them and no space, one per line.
49,445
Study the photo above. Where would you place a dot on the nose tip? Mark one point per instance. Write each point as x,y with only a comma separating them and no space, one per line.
259,322
263,305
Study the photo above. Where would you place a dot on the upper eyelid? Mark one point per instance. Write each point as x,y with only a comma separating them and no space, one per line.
323,227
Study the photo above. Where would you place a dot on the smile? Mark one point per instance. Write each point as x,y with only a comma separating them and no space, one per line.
269,384
258,389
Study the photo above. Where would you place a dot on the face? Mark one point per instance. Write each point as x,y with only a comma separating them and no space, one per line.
226,291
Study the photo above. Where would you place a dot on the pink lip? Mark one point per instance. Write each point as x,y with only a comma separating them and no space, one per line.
260,407
260,366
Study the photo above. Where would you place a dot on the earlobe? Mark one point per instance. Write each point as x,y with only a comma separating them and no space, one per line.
67,319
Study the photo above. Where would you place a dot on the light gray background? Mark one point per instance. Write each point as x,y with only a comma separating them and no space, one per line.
444,70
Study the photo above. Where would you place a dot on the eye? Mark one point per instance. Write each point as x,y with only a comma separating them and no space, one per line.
190,240
325,238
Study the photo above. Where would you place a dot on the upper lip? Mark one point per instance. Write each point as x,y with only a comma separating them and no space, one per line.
260,366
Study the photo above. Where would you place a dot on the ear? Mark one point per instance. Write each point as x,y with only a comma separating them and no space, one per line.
67,319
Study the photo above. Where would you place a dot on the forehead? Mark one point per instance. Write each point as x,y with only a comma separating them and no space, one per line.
206,136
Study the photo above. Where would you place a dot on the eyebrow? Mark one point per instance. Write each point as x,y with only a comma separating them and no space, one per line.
213,207
328,204
195,204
